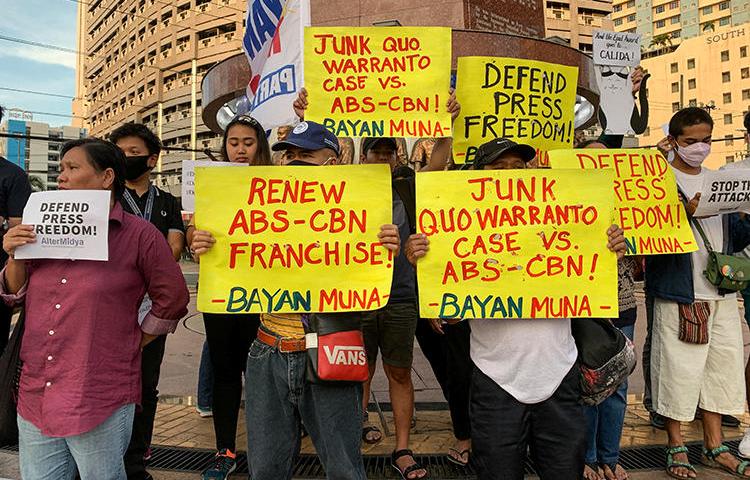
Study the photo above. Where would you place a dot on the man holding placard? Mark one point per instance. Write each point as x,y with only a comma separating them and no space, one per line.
525,384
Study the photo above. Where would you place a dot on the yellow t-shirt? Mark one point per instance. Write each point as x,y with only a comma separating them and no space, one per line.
285,325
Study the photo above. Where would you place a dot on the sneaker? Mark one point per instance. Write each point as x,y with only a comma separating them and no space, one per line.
204,412
224,463
744,448
657,421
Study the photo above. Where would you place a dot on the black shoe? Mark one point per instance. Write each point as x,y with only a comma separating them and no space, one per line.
657,421
730,421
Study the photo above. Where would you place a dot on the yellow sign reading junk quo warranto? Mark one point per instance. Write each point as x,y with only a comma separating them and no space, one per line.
516,244
294,239
379,81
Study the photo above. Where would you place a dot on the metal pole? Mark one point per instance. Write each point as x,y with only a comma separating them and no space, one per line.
193,108
159,128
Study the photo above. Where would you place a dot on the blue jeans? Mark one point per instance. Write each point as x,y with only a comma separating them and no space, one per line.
278,396
205,379
604,423
98,453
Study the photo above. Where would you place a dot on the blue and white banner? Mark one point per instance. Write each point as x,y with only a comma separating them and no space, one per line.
273,44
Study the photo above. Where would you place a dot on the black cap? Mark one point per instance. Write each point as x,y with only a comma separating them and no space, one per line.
309,136
492,150
369,142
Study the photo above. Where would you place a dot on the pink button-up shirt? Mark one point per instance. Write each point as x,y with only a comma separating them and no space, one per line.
81,347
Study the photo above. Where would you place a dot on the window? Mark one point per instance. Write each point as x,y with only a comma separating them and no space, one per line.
727,98
726,77
660,23
745,73
673,5
675,87
743,52
659,9
729,159
708,10
691,84
728,140
725,56
617,8
676,34
675,107
746,94
631,4
675,19
727,119
691,63
724,6
673,68
631,18
693,102
724,21
618,21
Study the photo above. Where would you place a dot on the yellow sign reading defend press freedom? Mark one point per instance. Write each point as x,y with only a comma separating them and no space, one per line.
516,244
526,101
379,81
294,239
646,203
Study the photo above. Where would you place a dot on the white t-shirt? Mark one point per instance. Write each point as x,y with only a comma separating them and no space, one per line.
714,230
527,358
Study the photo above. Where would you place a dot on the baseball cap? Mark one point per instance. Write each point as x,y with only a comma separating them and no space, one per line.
369,142
492,150
309,136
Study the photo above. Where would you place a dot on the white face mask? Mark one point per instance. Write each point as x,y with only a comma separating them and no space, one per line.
695,154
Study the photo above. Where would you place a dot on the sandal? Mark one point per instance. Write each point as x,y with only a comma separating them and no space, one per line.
671,464
709,459
613,470
411,468
370,428
459,456
595,469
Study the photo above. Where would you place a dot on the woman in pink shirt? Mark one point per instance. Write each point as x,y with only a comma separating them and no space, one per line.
80,381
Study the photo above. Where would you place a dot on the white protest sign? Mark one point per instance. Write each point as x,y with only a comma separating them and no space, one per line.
69,224
724,191
273,45
617,49
188,179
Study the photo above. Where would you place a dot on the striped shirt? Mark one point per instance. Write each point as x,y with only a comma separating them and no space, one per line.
285,325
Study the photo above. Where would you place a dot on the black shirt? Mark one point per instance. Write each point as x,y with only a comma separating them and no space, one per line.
14,192
166,214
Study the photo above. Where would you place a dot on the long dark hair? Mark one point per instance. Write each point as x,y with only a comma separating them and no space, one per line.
102,155
263,153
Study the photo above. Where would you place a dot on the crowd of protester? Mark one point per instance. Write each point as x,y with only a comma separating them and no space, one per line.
95,333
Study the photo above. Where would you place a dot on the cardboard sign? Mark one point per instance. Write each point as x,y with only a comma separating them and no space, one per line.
378,81
646,202
617,49
188,179
69,224
516,244
294,239
724,191
524,100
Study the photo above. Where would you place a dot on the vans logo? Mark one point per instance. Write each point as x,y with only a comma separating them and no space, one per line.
343,355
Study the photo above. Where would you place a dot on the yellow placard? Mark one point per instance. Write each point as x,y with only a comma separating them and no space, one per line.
526,101
294,239
646,203
516,244
379,81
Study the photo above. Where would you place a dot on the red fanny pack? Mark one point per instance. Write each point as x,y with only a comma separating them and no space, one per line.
335,351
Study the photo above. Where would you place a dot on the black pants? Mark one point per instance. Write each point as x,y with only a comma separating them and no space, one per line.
229,338
6,313
143,422
646,358
502,428
451,363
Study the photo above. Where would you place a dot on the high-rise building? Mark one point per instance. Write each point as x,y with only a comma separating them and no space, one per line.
36,149
712,71
665,23
144,62
576,20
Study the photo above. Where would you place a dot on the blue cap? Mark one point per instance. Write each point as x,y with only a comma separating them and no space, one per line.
309,136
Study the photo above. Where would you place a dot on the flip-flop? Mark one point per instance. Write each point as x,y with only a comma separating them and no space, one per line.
460,454
369,429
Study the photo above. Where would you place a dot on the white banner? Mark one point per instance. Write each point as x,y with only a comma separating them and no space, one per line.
188,179
273,45
69,224
724,191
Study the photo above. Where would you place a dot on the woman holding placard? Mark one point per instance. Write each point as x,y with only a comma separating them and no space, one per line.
229,335
80,380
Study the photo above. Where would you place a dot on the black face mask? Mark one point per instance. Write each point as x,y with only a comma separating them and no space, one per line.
301,163
136,166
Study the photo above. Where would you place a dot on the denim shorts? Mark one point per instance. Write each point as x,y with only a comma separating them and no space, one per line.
390,330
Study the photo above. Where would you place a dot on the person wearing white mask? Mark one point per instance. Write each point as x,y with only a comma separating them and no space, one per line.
697,351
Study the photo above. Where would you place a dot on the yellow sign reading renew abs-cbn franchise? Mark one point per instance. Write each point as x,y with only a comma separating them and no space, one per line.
294,239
